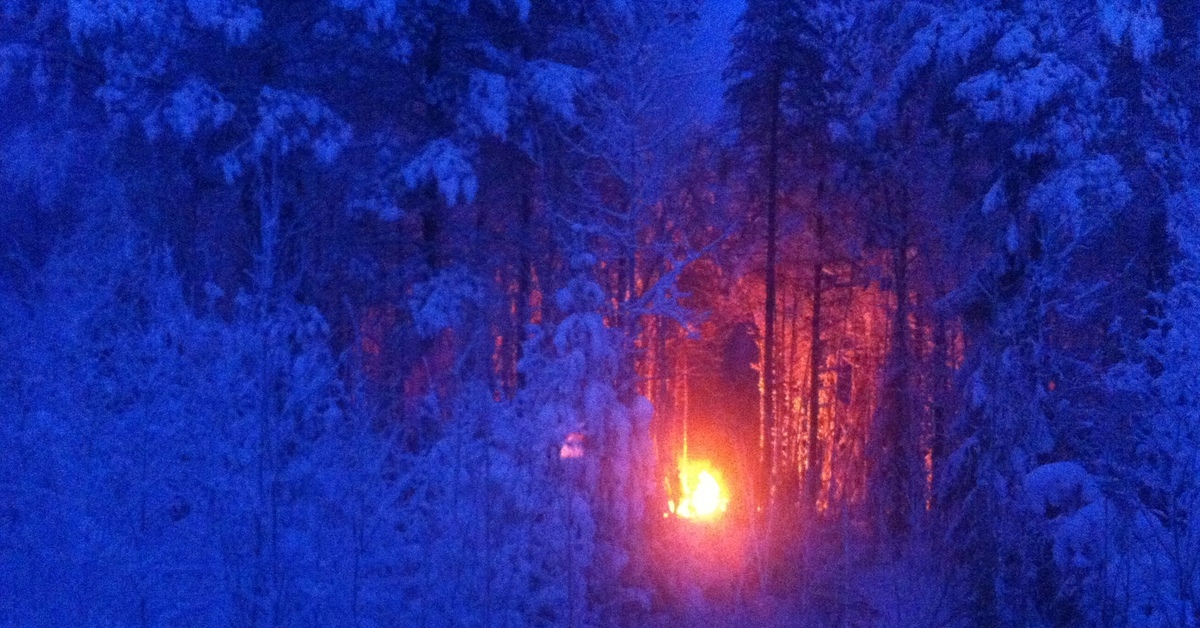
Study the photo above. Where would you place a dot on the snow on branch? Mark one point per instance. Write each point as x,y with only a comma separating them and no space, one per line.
449,166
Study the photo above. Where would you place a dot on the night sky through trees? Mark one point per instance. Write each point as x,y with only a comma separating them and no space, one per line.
599,313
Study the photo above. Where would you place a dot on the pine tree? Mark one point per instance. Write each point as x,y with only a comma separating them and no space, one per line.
775,87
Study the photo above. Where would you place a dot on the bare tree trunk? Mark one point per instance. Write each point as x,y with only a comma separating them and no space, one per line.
665,405
524,279
897,483
770,444
940,412
899,436
789,463
815,455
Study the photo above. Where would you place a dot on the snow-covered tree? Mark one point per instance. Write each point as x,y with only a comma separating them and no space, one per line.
1041,109
572,394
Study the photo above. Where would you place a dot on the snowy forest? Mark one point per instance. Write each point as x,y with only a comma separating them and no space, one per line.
599,313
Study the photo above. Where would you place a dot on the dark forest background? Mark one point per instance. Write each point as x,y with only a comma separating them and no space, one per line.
402,312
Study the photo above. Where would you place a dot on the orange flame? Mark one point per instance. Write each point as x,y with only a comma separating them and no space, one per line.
701,494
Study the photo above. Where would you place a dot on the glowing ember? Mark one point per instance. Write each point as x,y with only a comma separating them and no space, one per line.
701,496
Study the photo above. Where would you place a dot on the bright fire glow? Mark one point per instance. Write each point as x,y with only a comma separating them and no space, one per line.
701,495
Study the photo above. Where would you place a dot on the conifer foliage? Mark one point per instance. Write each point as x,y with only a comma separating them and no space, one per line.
383,313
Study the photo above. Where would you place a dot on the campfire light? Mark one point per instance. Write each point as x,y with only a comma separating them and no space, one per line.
701,494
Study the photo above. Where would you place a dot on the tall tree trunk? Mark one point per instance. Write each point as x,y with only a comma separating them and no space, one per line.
789,460
899,436
768,401
524,278
815,455
942,372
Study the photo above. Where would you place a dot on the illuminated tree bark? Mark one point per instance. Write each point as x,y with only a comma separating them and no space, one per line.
775,80
815,455
789,459
771,442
